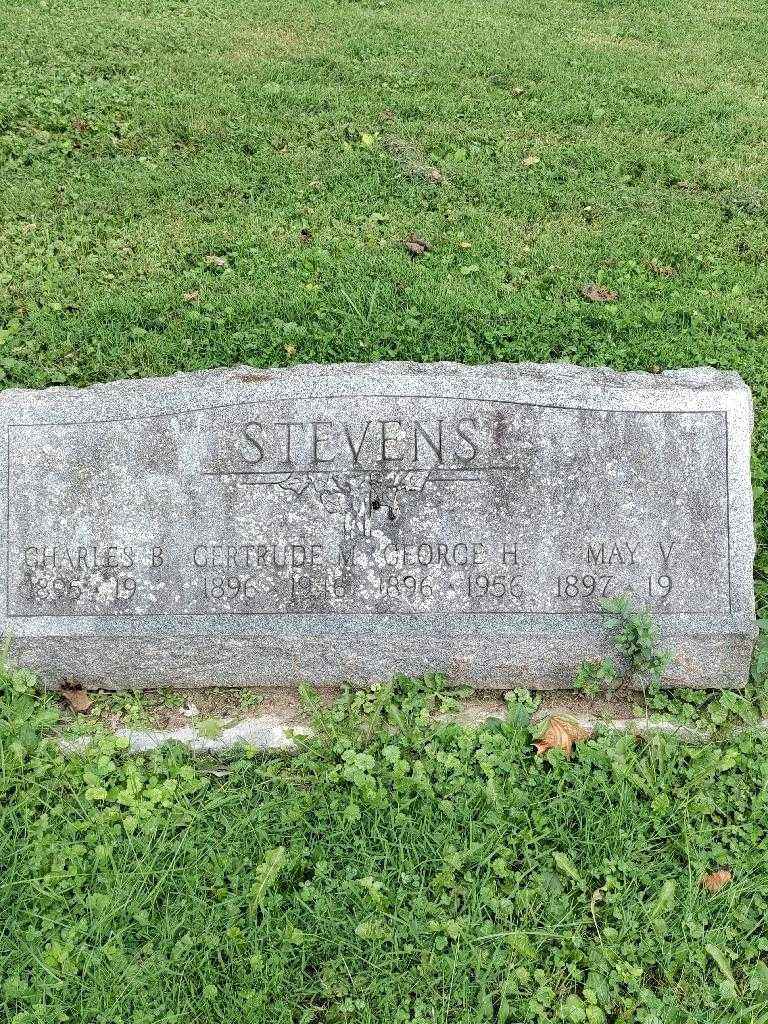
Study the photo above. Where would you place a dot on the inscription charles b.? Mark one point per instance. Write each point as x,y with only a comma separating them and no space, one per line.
91,557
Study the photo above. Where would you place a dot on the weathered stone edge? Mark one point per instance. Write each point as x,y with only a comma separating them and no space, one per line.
701,378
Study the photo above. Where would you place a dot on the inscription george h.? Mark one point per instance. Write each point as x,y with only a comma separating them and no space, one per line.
428,503
483,510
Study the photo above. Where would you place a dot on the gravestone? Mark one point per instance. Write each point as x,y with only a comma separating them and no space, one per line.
346,523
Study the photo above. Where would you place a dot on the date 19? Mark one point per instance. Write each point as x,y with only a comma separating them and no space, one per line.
55,588
600,586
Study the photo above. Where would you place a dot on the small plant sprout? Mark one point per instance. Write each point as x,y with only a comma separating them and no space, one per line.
635,640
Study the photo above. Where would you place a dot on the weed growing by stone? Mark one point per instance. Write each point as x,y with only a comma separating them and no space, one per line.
635,640
130,706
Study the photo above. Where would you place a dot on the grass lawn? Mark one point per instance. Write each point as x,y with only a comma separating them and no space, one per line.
394,871
196,184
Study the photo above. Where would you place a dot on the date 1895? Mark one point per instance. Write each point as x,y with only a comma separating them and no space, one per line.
116,589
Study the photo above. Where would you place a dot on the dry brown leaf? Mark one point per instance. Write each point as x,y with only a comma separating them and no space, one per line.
435,176
191,296
216,262
561,734
531,161
416,246
715,881
465,245
596,293
77,698
518,90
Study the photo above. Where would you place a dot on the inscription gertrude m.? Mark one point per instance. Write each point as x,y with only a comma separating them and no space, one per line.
491,508
352,522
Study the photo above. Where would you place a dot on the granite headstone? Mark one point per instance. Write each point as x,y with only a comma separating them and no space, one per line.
349,522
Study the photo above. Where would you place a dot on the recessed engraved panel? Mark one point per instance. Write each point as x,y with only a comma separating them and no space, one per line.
369,505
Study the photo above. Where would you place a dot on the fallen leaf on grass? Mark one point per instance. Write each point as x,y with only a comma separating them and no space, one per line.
721,960
531,161
77,698
561,734
266,874
566,865
715,881
412,160
465,245
416,246
664,901
596,293
191,296
209,728
305,236
216,262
